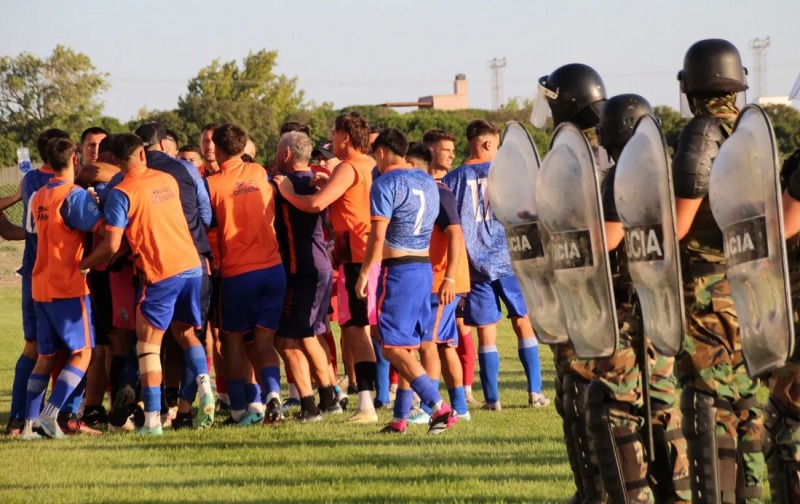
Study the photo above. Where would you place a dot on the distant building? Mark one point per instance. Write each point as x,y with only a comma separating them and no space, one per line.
459,100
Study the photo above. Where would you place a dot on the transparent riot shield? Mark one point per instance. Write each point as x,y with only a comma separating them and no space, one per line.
646,207
512,185
568,200
745,198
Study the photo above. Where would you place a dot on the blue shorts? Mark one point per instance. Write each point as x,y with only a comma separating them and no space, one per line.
442,328
253,299
174,299
64,324
482,306
28,311
404,302
306,304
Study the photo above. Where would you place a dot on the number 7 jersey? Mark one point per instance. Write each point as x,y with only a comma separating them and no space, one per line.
483,234
409,200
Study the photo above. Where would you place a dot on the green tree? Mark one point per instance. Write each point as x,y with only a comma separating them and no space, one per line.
786,123
671,124
60,91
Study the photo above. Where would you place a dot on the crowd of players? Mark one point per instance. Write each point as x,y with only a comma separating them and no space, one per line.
147,265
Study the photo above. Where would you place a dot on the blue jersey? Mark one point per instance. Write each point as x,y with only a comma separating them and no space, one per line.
484,235
409,199
31,182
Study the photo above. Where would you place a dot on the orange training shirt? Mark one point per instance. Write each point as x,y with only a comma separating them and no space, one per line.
350,213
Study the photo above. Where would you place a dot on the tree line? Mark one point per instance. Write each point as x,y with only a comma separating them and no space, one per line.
64,89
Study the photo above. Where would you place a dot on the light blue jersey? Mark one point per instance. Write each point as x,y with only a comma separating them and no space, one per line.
31,182
409,199
484,235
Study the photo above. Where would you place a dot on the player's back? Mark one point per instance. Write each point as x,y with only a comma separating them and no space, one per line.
483,234
409,200
350,213
243,201
301,235
31,182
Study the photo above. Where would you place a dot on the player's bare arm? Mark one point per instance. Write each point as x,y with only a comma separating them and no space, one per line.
455,242
343,178
373,254
685,212
105,251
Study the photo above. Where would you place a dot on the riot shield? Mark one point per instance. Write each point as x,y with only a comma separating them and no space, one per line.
568,200
745,198
512,184
646,207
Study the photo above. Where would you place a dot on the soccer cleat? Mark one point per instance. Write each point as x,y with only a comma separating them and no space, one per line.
466,417
71,424
250,418
495,406
536,400
471,399
124,404
344,400
94,416
395,428
291,403
443,420
381,405
335,409
128,426
306,417
182,421
150,431
274,412
49,428
14,427
363,417
205,412
418,417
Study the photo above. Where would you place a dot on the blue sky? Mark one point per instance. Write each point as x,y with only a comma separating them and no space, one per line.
361,52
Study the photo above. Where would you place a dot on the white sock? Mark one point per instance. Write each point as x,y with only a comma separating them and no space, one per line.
467,389
49,413
152,419
415,402
203,384
365,401
293,393
255,407
237,414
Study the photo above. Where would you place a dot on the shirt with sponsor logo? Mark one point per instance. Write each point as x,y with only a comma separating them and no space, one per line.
409,200
483,234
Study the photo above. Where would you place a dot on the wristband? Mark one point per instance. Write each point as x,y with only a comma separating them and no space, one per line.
448,279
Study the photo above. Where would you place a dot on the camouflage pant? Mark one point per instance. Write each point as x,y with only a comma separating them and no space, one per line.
711,363
785,391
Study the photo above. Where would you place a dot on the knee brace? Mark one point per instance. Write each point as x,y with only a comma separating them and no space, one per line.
149,357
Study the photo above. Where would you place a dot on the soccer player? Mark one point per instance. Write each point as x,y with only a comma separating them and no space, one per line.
443,148
207,148
170,145
191,153
347,193
490,270
309,282
90,143
63,213
404,203
146,207
253,280
197,212
31,182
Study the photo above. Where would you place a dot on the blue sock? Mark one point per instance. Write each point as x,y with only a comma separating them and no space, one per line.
428,394
253,393
19,391
381,374
528,350
271,378
489,361
151,397
68,380
73,403
458,400
402,403
194,365
34,395
236,395
188,390
424,406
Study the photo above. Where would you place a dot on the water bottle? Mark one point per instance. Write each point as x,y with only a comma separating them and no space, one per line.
24,160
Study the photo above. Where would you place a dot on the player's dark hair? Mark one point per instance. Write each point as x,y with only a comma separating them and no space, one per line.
393,139
106,143
479,127
46,136
247,158
124,145
59,153
294,126
434,136
210,126
189,148
93,130
174,136
355,125
230,139
419,150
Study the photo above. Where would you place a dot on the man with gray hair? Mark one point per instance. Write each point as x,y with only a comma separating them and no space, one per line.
309,281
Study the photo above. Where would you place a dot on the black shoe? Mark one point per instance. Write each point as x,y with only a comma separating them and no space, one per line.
307,417
183,421
352,389
274,412
343,402
381,405
94,416
14,427
124,404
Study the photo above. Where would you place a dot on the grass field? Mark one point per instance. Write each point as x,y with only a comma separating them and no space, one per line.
516,455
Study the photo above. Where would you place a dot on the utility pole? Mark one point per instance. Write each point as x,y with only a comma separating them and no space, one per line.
497,65
760,47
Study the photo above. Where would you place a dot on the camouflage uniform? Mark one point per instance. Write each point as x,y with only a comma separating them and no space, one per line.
712,363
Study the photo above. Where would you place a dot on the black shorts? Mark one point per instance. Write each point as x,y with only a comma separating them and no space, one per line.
305,305
205,307
359,311
102,310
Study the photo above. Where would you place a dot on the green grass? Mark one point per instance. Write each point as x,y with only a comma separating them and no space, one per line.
516,455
